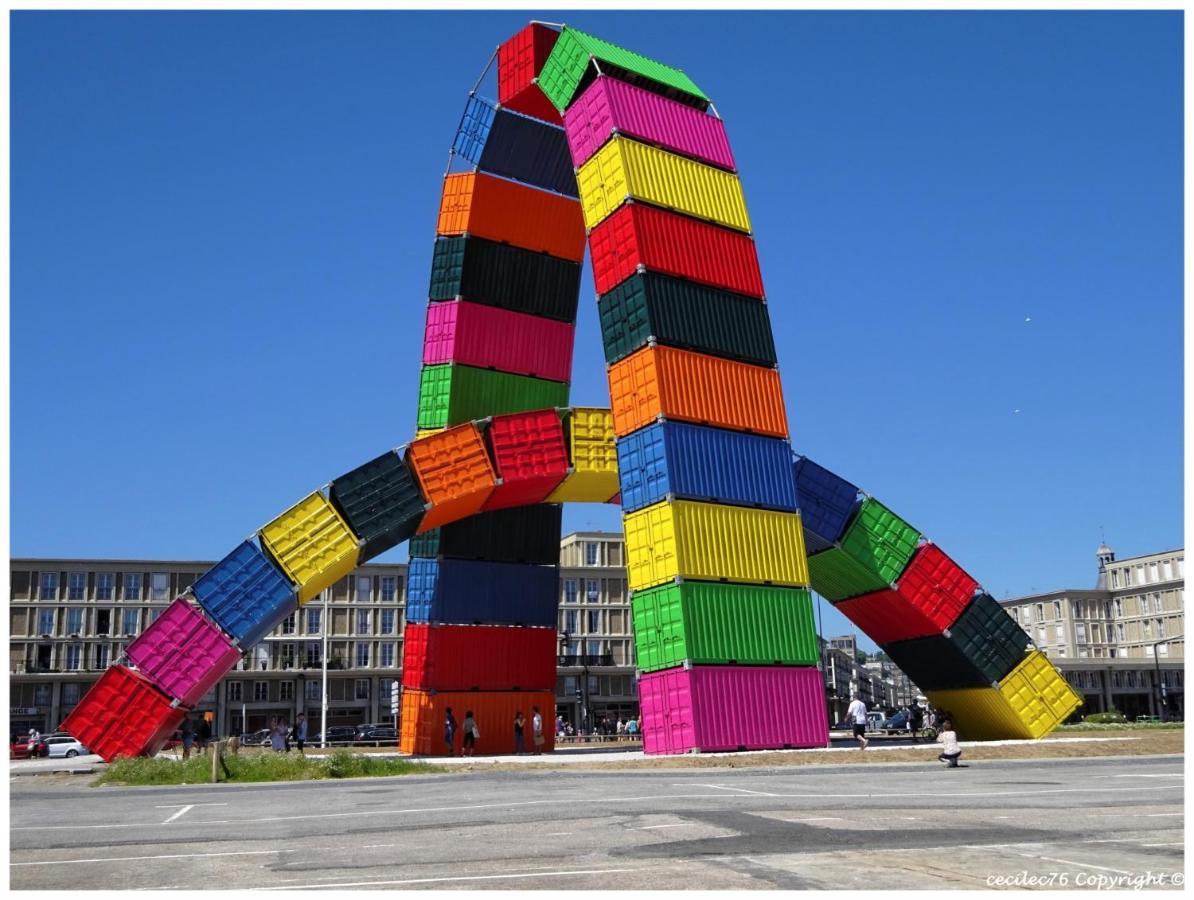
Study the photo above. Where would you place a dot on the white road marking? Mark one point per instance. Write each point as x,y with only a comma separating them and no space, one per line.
722,787
557,833
348,884
120,859
1173,844
1154,815
676,825
1070,862
817,819
1146,775
181,812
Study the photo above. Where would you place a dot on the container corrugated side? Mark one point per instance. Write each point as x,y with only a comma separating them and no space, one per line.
661,241
182,653
312,545
454,473
608,105
451,394
529,534
649,307
490,338
883,615
624,168
990,637
936,585
478,658
880,540
499,275
478,204
529,151
712,708
827,501
530,456
704,541
381,503
245,594
694,387
1039,694
704,622
593,457
520,59
980,714
837,576
935,663
423,713
700,463
123,714
465,592
568,63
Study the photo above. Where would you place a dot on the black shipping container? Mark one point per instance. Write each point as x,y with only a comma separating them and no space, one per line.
530,151
680,313
524,534
507,277
989,637
935,664
381,503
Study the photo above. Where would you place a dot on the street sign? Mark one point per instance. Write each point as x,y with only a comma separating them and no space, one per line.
395,697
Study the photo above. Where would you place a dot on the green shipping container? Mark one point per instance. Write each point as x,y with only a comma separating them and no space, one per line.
679,313
709,622
872,554
450,394
568,63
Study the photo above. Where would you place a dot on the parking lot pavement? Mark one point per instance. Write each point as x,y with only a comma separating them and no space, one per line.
1068,822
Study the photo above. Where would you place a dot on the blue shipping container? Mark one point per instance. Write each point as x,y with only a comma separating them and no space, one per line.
703,463
245,594
826,502
471,592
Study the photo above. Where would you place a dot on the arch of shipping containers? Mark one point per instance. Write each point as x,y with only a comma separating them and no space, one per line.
726,529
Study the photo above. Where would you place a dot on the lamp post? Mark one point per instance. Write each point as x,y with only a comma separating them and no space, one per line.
323,716
1159,685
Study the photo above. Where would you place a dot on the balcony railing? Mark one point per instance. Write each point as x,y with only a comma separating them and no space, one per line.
590,659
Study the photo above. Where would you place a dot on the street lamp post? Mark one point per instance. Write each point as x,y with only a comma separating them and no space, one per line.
323,716
1160,685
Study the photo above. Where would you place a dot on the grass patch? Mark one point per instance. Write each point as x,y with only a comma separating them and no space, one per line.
1119,726
251,766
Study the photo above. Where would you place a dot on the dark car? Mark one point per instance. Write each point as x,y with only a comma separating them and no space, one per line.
337,734
377,735
896,724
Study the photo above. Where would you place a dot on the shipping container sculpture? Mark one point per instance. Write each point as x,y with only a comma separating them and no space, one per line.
726,531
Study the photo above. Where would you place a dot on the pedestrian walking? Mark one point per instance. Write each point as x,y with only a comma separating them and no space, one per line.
520,745
950,751
277,735
284,724
856,713
188,736
620,728
916,720
204,734
450,731
537,730
632,727
471,733
300,732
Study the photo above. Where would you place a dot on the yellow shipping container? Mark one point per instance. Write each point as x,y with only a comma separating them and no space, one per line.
625,168
424,432
312,544
979,714
593,453
711,542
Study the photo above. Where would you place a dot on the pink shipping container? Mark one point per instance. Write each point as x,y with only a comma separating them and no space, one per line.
711,708
490,338
609,106
183,653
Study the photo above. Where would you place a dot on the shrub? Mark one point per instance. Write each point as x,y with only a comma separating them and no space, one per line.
1105,718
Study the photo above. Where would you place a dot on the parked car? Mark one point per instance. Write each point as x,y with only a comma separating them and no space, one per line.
258,738
20,749
896,724
377,735
64,745
337,734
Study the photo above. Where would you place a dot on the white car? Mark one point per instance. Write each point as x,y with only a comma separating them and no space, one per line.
65,745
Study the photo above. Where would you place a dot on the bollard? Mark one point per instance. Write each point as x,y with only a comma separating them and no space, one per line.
215,761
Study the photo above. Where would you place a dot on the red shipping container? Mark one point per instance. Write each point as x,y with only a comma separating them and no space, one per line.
733,708
520,60
123,715
421,722
638,235
531,457
183,653
886,616
478,658
491,338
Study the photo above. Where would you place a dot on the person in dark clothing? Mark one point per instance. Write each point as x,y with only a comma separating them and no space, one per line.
450,731
204,734
916,720
188,736
520,722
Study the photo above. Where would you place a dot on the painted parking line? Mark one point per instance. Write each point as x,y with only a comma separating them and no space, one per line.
122,859
443,879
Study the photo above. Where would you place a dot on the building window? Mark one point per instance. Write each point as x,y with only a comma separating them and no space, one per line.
590,553
74,620
77,586
1042,635
288,624
260,690
1119,608
593,648
49,586
569,590
286,690
1080,632
571,621
103,585
313,620
594,621
362,654
387,621
1115,578
363,621
160,585
387,655
311,655
1057,609
234,692
101,656
1119,632
388,588
1148,629
132,586
286,654
313,690
1040,612
592,590
45,621
1160,628
131,621
364,588
1163,650
74,657
360,689
1143,604
1106,610
70,694
1059,633
41,695
614,552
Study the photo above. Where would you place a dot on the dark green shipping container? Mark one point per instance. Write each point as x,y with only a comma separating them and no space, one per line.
707,622
521,534
381,503
679,313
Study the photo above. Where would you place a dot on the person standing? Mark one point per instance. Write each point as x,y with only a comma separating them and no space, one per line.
450,731
188,736
537,730
300,732
950,751
520,746
277,734
468,745
916,720
856,714
204,734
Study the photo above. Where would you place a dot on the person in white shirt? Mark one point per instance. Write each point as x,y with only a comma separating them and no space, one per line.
537,730
856,713
950,751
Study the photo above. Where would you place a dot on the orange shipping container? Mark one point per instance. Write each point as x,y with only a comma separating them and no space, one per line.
695,387
421,728
455,473
512,213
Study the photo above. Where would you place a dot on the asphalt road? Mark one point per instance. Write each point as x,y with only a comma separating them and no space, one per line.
1068,823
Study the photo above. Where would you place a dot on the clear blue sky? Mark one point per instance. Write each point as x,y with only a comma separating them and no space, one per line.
222,226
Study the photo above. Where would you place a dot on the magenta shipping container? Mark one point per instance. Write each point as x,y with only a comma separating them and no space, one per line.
609,105
490,338
733,708
183,653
